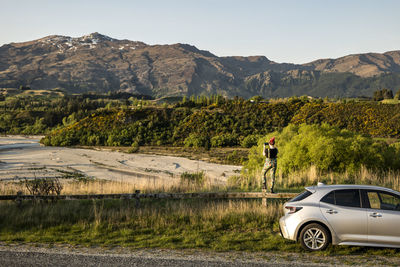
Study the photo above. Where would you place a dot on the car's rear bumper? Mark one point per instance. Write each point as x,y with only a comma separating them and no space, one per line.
282,228
288,226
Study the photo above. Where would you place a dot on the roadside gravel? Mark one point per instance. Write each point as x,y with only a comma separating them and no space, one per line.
65,255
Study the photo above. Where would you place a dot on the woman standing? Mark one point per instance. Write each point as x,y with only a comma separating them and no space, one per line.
271,153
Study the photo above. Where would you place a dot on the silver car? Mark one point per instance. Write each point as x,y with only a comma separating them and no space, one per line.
357,215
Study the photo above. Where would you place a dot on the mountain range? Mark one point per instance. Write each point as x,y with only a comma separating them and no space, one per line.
98,63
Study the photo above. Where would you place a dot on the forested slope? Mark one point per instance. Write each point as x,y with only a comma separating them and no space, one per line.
219,123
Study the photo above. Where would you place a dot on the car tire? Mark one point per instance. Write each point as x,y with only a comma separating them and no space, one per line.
314,237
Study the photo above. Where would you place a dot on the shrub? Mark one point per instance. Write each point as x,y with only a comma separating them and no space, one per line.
196,178
223,140
327,148
243,182
397,96
93,140
43,186
250,140
134,148
196,140
383,94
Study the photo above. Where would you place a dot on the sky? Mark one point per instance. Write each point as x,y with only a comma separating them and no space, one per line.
291,31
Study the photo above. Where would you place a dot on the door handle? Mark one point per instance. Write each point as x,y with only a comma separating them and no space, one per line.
375,215
331,211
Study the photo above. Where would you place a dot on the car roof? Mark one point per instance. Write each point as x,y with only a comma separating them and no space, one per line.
348,186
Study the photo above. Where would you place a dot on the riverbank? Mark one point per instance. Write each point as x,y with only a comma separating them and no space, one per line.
24,158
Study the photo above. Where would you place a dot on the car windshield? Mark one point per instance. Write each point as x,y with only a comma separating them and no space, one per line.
301,196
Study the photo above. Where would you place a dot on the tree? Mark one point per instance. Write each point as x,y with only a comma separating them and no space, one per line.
397,96
257,98
196,140
378,95
23,87
383,94
387,94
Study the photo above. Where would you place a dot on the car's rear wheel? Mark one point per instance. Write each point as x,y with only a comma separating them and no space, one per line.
314,237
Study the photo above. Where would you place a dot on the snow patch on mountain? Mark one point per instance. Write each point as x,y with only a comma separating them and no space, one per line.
65,42
89,41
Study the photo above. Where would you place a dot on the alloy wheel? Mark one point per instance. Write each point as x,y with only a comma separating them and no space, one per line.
314,238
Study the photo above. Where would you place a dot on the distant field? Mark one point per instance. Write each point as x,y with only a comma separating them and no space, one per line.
14,92
390,101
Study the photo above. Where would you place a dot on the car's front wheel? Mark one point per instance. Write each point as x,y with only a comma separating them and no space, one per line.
314,237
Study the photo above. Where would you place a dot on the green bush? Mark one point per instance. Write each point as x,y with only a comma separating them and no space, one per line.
223,140
229,123
93,140
327,148
397,96
134,148
250,140
196,140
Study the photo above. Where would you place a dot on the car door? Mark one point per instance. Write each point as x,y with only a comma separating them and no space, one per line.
343,211
383,218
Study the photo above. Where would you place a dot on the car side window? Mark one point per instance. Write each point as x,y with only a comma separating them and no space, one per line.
348,198
329,198
383,200
389,201
374,201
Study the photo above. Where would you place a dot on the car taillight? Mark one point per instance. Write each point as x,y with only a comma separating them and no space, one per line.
293,209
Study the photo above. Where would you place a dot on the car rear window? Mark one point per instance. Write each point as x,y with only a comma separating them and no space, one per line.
301,196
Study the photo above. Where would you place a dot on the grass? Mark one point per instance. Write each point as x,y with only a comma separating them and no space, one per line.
390,101
296,181
188,182
199,182
390,179
196,178
174,224
221,225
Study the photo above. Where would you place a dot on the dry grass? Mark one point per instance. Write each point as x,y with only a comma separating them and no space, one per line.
116,187
11,188
98,187
217,225
390,179
296,181
145,185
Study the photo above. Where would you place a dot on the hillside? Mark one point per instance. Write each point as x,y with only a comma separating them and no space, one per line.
363,65
218,122
99,63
